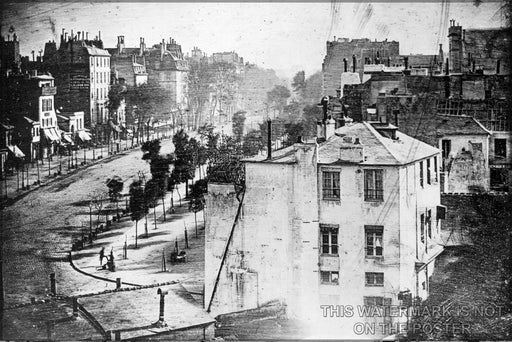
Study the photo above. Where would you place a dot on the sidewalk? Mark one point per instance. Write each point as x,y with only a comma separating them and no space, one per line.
43,172
144,265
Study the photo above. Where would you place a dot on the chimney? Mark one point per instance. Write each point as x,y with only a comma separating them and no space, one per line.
320,132
353,153
72,37
65,36
269,139
330,127
406,62
345,65
79,35
142,46
120,44
162,49
87,35
395,114
354,63
447,69
99,35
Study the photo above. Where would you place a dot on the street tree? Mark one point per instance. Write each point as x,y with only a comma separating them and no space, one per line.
115,186
238,123
137,205
184,167
299,82
197,200
252,143
278,97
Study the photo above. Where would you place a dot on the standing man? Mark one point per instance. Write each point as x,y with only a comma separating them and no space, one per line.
102,255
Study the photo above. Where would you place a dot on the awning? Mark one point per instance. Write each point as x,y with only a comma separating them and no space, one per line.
51,134
16,151
66,138
84,136
115,127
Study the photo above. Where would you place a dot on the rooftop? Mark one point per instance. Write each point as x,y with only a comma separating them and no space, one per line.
459,125
378,150
94,51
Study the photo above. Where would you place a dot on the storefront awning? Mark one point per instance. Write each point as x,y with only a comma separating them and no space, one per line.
84,136
115,127
51,134
67,139
16,151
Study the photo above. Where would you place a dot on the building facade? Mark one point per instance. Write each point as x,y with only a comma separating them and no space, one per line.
351,55
348,222
81,68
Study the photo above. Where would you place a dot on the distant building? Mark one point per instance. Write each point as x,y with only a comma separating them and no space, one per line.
484,51
128,64
167,66
10,59
351,221
351,55
81,68
230,57
30,106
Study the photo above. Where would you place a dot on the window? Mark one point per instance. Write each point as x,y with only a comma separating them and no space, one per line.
329,277
373,240
329,236
446,146
422,227
429,223
428,172
435,169
374,279
421,173
46,105
374,301
373,187
500,148
331,185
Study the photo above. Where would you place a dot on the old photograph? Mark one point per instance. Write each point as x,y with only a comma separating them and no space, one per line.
255,170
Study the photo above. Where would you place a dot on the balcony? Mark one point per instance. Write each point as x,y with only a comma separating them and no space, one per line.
47,91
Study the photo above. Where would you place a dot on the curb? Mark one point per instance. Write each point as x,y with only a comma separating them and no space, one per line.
70,257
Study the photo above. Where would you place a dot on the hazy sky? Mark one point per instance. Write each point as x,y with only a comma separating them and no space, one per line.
287,36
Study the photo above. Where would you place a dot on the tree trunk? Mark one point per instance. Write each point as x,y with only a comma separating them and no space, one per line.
195,221
136,224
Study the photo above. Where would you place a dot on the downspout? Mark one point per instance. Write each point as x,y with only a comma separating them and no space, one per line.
226,249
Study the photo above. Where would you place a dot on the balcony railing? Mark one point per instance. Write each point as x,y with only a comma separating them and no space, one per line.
45,91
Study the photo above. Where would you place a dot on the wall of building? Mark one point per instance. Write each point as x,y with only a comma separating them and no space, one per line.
467,168
337,50
221,206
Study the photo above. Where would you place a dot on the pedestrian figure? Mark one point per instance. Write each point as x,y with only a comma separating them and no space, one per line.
102,255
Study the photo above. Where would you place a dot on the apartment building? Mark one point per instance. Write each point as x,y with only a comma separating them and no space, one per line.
351,221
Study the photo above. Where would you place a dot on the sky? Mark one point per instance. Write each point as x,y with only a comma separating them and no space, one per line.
286,37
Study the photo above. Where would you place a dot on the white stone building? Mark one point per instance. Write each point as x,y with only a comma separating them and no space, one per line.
348,222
